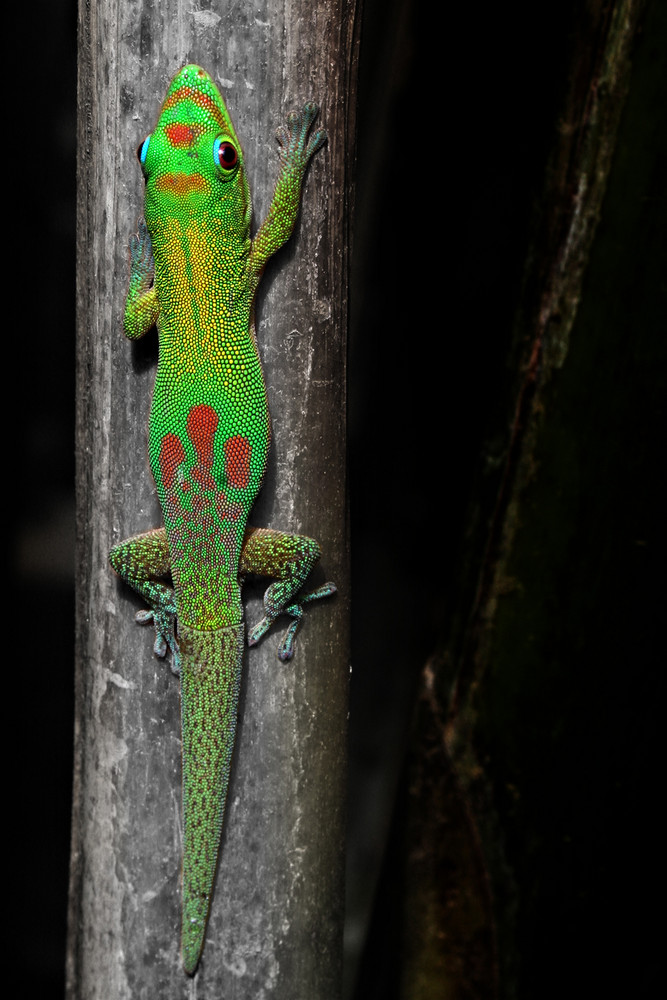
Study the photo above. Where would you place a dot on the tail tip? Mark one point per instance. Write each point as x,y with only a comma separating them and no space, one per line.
192,945
190,956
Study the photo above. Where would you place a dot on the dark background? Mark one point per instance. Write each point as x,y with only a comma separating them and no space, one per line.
456,121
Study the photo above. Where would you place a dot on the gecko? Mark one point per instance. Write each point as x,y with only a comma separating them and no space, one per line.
194,272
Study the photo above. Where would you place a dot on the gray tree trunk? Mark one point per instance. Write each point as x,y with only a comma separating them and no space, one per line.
277,914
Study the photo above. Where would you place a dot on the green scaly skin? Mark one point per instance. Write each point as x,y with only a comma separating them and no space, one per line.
194,274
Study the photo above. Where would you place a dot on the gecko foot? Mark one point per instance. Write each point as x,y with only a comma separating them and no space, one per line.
165,634
294,610
296,148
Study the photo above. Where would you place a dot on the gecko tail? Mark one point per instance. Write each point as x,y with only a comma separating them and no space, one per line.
193,930
210,682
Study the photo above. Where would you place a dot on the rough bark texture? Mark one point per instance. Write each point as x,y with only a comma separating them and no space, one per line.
276,920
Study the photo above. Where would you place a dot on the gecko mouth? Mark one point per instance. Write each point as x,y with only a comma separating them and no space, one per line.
182,184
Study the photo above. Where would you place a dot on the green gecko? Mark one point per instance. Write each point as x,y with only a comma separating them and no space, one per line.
194,274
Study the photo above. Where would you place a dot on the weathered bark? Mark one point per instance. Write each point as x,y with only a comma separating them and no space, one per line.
276,918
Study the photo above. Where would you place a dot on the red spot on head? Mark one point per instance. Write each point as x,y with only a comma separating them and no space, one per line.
202,424
181,135
198,97
181,184
237,461
171,456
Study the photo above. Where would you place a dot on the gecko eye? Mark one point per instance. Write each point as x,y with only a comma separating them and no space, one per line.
142,150
224,154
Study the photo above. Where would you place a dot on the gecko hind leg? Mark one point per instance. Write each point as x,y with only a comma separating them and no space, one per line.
139,561
290,559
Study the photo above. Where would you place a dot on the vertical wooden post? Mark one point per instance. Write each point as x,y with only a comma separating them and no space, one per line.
277,914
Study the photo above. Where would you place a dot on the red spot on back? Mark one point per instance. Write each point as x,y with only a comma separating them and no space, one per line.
201,427
237,461
171,456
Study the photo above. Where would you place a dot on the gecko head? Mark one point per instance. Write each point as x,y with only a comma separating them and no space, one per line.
192,160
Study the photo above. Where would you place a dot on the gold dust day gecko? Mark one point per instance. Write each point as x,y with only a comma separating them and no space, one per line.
194,274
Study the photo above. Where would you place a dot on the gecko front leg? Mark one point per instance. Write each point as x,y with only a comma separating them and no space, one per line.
297,147
141,306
